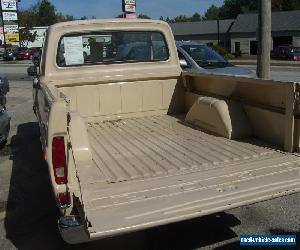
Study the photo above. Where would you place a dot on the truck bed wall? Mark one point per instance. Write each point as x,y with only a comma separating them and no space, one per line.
125,99
269,105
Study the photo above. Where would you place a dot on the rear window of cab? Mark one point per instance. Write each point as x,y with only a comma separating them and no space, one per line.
111,47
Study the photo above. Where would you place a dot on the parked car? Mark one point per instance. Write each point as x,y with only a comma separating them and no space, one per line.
11,54
27,54
4,117
293,54
195,57
286,52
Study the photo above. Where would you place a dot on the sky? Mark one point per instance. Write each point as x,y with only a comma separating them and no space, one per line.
112,8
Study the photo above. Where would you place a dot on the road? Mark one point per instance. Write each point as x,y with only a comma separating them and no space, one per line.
31,214
281,73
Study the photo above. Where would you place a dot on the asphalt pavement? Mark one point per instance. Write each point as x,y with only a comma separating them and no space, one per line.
281,73
28,213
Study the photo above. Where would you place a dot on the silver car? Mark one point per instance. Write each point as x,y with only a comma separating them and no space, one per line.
197,57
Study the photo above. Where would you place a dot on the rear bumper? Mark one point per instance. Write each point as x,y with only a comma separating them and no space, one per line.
72,231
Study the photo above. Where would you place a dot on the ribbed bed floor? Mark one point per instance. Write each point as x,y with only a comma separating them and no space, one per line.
146,147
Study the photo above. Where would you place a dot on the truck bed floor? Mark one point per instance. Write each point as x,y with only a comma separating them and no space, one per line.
160,145
153,170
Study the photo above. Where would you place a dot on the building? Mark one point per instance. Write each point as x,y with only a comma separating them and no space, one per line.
204,31
285,30
241,33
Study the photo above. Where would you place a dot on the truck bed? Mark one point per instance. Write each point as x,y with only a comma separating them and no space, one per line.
153,170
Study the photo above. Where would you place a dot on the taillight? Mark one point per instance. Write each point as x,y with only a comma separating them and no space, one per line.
59,160
64,199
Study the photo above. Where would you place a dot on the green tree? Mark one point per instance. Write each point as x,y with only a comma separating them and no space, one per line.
232,8
212,13
196,17
181,19
143,16
46,13
60,17
283,5
28,18
168,20
27,36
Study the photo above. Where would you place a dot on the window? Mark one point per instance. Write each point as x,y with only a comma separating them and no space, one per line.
111,47
237,46
204,56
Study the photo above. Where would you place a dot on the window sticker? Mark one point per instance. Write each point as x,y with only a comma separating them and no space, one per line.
73,50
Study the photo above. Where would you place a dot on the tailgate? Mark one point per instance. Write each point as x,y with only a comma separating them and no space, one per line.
124,207
208,174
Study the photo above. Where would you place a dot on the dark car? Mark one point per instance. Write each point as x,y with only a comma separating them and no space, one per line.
11,54
4,125
294,54
4,117
286,52
27,54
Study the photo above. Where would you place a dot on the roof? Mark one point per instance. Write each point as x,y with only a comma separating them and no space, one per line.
201,28
108,21
281,21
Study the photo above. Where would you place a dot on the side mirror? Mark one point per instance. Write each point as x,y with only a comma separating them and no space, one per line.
36,83
183,63
32,71
36,61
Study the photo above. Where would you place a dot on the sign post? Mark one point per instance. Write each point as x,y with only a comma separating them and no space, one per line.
9,18
129,8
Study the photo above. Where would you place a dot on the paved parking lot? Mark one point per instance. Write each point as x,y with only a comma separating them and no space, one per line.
31,214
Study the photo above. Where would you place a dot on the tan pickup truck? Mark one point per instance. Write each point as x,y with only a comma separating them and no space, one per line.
133,142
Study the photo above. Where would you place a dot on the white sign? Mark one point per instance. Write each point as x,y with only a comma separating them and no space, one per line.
130,2
9,4
1,35
11,28
10,16
129,8
73,50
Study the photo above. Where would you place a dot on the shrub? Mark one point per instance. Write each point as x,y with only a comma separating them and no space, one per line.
237,53
222,51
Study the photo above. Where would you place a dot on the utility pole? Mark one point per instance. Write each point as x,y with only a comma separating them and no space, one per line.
264,39
18,21
218,24
2,22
